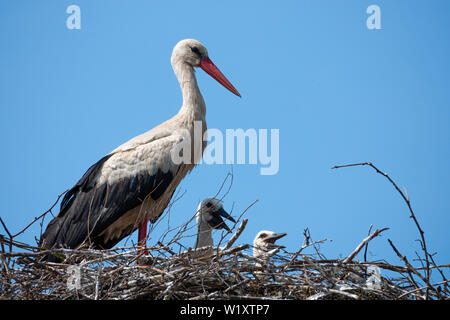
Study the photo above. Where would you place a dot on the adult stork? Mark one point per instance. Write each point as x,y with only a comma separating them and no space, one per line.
209,216
135,182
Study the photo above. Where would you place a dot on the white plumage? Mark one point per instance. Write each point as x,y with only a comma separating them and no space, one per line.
209,216
264,245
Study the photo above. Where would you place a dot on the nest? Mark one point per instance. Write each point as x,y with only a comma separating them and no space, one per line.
209,273
213,273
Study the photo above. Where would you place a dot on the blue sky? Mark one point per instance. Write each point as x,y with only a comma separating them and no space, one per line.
338,92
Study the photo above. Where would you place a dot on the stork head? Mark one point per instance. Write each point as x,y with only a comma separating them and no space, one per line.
194,53
210,212
264,242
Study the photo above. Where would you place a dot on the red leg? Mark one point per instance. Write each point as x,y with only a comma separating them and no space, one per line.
142,236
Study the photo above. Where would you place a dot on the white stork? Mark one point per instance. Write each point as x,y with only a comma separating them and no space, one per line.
264,244
135,182
209,216
264,248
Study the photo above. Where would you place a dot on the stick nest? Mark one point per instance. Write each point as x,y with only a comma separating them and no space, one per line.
227,272
206,273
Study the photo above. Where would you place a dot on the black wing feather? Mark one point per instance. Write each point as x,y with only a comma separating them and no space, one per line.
87,209
86,183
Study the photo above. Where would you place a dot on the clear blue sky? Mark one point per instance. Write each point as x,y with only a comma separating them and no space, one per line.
338,92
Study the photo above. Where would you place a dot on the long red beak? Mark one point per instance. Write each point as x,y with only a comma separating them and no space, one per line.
210,68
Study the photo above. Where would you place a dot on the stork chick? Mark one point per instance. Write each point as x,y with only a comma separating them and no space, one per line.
264,245
209,216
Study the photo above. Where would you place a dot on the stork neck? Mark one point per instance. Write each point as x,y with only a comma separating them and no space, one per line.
193,103
204,237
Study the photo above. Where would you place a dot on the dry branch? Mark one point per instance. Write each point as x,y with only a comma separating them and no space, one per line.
236,234
412,215
363,243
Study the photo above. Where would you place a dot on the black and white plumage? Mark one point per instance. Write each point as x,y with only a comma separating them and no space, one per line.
209,216
135,182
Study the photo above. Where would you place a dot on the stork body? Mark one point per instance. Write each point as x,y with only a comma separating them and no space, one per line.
135,182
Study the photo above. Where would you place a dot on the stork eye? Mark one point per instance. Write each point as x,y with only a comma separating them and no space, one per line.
263,235
208,204
196,51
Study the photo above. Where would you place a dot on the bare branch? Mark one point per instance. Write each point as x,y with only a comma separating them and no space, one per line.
408,203
411,268
363,243
236,234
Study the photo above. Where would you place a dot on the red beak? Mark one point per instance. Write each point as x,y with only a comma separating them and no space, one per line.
210,68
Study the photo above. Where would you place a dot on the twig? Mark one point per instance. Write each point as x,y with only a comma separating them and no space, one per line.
411,268
223,184
4,227
408,203
440,271
421,288
306,243
363,243
243,212
39,217
2,237
367,244
236,234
